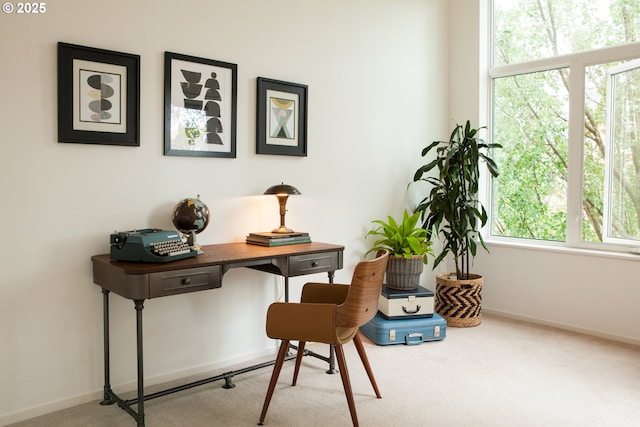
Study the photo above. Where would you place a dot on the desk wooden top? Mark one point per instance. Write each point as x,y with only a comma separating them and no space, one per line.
220,254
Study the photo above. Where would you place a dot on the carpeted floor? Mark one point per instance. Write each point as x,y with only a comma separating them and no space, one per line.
501,373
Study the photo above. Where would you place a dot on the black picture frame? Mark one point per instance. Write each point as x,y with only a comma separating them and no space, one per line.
287,133
200,106
98,96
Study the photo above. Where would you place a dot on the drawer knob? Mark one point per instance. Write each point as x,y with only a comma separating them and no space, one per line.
186,281
315,264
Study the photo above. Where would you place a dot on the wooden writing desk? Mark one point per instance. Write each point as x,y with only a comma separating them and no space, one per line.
140,281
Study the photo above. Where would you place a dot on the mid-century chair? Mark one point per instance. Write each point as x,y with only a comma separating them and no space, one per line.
331,314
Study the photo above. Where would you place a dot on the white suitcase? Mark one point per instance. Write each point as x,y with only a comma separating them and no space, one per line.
405,304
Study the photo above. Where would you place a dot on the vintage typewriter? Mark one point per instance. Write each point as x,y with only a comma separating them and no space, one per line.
149,245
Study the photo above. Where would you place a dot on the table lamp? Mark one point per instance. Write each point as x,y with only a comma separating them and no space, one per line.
282,192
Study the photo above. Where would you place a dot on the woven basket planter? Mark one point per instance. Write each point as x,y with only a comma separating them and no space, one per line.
403,273
459,301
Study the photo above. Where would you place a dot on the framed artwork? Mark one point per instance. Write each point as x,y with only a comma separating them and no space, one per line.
98,96
281,126
200,106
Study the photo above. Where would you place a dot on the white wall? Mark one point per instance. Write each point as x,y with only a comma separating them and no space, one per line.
591,292
375,70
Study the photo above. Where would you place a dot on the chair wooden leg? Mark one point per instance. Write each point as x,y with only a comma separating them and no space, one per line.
301,346
284,347
346,383
365,361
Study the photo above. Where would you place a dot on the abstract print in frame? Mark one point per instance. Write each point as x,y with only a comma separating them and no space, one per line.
98,96
281,118
200,107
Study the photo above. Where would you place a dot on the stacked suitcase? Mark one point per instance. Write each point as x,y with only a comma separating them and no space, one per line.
405,316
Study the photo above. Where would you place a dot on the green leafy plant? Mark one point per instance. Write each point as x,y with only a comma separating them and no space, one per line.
452,208
402,239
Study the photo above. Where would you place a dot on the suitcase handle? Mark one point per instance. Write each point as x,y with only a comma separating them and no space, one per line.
404,308
413,339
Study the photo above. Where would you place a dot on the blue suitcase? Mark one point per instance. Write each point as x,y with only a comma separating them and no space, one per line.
405,331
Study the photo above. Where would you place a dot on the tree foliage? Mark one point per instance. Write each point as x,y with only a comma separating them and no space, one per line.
531,118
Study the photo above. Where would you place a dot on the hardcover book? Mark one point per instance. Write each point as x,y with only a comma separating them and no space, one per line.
277,239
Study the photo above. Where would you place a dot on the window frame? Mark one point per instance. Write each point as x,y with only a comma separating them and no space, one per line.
576,63
608,160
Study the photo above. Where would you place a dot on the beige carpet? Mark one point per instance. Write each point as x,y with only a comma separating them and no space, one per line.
501,373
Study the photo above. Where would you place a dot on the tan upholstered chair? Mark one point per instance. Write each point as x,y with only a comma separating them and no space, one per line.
331,314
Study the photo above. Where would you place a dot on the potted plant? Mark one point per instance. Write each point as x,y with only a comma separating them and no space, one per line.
408,245
453,211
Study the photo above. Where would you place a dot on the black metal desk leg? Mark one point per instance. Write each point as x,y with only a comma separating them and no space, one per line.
332,361
332,351
107,376
139,307
286,288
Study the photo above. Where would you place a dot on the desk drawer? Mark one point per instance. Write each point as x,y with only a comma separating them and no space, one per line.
314,263
182,281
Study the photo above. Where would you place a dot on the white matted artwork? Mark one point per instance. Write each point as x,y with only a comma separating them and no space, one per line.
101,102
281,122
200,107
98,96
283,118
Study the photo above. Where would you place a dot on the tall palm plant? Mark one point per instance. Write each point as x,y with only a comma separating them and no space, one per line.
452,208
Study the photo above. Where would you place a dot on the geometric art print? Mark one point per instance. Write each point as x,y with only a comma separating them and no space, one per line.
99,91
201,107
99,97
281,123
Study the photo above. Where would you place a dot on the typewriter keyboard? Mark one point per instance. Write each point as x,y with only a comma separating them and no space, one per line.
170,248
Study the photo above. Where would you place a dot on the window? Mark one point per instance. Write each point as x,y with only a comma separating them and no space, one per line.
565,105
622,166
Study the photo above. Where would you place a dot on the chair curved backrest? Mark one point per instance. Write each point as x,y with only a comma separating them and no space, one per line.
361,303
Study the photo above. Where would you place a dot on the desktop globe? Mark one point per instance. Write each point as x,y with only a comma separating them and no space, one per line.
190,217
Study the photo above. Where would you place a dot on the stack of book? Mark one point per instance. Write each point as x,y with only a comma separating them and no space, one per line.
278,239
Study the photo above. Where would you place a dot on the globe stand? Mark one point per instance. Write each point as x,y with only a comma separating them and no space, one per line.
191,241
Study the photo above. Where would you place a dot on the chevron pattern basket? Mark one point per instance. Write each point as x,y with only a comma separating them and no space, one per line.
459,301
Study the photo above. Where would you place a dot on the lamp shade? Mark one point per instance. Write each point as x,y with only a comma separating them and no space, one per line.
283,189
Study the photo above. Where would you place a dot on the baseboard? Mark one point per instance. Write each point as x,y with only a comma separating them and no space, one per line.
96,395
584,331
47,408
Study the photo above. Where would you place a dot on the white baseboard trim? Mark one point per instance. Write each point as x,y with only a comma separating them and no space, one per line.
97,395
47,408
584,331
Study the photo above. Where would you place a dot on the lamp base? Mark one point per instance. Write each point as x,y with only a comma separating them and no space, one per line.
282,230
